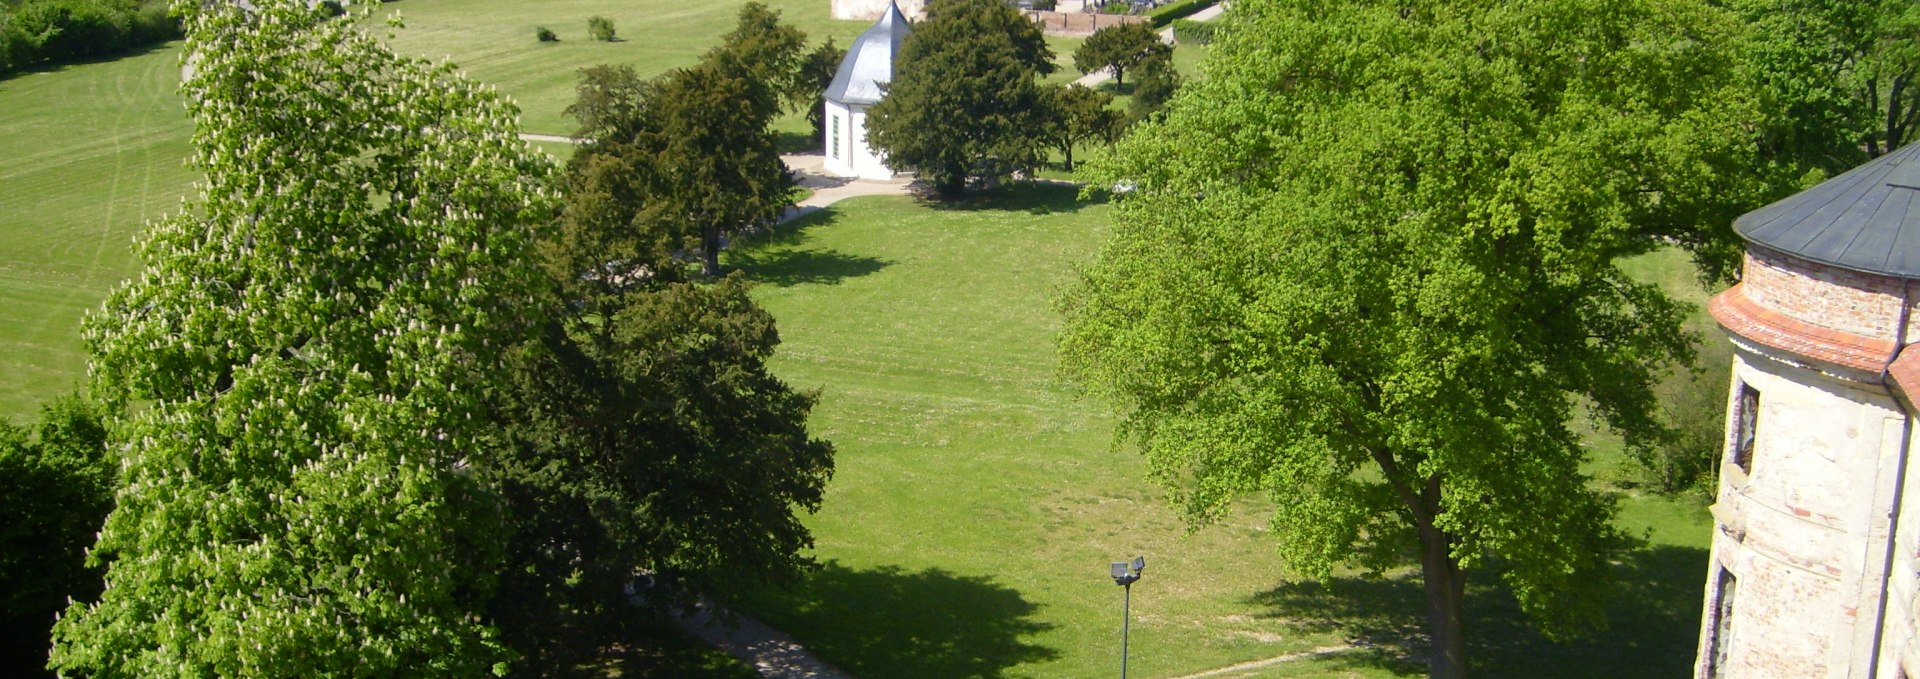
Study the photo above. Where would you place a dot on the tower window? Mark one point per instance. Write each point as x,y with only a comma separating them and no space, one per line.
833,142
1746,419
1722,623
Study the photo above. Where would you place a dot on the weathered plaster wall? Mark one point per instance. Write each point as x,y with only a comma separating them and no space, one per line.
1801,532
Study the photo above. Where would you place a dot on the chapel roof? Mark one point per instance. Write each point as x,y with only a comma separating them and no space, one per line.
869,62
1867,219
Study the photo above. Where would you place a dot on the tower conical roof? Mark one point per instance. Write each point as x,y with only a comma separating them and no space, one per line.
1867,219
869,62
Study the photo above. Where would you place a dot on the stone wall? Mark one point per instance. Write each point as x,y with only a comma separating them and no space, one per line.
1080,23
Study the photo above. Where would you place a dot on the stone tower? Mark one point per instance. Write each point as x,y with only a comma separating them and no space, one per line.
1817,538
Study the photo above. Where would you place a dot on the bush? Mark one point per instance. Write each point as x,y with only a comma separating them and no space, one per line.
600,28
17,48
545,34
1190,32
1178,10
76,29
152,24
56,486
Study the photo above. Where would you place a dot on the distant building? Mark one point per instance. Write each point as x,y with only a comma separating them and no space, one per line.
856,87
868,10
1816,545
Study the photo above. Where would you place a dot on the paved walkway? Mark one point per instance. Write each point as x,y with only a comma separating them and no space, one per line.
771,652
1093,79
827,190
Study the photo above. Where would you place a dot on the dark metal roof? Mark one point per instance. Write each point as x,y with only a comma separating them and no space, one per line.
869,62
1867,219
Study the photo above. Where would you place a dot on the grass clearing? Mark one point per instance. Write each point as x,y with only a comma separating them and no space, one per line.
92,152
977,503
493,41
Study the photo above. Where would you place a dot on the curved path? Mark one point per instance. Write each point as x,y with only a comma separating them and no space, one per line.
1094,79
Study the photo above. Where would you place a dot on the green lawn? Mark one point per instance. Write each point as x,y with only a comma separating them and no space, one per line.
91,152
977,503
492,41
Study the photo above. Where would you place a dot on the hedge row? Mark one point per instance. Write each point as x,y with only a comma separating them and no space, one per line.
1190,32
60,31
1165,14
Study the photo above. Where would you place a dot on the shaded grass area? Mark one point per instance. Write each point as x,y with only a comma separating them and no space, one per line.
929,331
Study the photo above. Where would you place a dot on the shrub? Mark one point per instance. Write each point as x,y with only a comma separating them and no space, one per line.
600,28
76,29
1190,32
17,48
1045,5
151,23
1178,10
545,34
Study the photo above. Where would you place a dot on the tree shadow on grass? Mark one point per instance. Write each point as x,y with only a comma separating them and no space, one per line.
1038,198
780,256
887,622
1653,622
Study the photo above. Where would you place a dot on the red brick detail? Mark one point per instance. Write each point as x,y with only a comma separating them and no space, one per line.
1849,301
1746,318
1906,373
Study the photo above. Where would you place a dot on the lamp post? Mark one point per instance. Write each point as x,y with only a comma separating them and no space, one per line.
1124,574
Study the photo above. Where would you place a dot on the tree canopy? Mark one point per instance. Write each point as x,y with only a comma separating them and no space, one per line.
647,436
295,378
1121,48
56,485
1370,269
1075,115
963,101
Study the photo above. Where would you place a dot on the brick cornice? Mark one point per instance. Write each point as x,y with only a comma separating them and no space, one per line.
1744,317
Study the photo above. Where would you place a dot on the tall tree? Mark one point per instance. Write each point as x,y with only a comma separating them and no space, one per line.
1076,115
56,485
702,133
647,433
963,101
816,74
296,377
1121,48
1370,268
1158,83
1837,79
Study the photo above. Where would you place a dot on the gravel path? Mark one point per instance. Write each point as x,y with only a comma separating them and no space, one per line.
829,190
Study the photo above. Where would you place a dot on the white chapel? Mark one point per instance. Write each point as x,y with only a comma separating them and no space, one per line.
856,88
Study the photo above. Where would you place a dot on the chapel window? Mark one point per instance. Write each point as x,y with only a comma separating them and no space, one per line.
1722,624
1746,420
833,141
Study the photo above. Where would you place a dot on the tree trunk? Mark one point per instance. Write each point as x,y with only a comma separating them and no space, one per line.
1446,589
1068,148
710,252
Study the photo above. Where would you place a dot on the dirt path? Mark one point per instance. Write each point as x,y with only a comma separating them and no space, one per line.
1094,79
1249,666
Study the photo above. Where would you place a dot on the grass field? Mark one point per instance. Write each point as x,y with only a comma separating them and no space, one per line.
977,503
492,41
91,152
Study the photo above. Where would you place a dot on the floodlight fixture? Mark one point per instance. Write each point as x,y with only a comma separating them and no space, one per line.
1125,574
